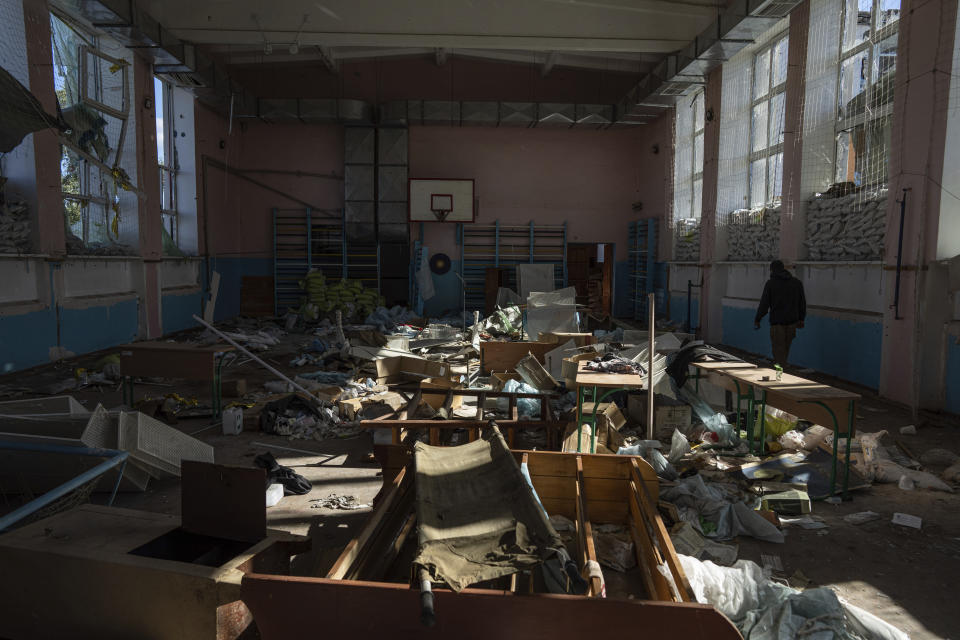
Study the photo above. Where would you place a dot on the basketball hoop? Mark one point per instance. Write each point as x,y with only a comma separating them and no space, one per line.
441,204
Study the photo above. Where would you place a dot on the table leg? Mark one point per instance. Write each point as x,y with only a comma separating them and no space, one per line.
763,421
217,388
580,391
836,443
128,391
593,422
852,414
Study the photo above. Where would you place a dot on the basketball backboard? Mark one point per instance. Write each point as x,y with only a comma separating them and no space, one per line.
439,200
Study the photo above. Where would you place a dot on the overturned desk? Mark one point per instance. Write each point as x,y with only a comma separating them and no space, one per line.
174,360
589,383
807,399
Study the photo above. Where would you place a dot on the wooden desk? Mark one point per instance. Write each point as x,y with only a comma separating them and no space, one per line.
591,382
173,360
807,399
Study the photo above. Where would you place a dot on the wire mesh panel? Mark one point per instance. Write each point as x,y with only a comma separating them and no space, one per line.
157,447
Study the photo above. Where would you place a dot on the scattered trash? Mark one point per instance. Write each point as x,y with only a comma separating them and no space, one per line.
614,547
805,522
771,562
612,363
688,541
274,494
861,517
334,501
293,483
906,483
908,430
798,580
232,421
766,610
723,507
907,520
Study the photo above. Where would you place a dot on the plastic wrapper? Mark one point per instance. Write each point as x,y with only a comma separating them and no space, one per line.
716,423
526,407
766,610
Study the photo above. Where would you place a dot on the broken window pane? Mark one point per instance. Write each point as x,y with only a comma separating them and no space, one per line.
845,169
884,71
889,13
856,28
853,82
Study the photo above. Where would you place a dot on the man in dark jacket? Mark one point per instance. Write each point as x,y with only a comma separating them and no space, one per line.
783,297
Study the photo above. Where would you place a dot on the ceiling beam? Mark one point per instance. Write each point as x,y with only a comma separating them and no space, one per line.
432,40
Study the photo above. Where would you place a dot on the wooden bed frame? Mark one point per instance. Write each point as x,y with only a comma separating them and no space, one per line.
355,598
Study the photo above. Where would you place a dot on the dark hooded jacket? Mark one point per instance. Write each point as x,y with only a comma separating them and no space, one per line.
783,297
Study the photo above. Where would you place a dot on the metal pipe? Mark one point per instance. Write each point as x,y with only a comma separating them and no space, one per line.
650,353
427,615
115,458
689,305
309,395
896,288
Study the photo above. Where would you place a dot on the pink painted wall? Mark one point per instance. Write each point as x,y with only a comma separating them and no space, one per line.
240,221
589,179
419,78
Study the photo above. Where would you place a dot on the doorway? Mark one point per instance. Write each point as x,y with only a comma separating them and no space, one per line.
590,270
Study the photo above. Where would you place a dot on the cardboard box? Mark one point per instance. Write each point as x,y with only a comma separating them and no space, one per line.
389,402
608,413
436,400
504,356
408,369
569,367
559,337
666,417
608,438
499,378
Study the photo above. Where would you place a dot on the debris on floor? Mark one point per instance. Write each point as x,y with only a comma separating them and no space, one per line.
334,501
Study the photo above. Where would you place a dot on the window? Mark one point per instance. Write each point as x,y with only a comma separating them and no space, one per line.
91,90
768,95
688,161
868,63
167,159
